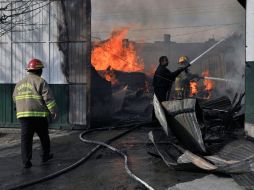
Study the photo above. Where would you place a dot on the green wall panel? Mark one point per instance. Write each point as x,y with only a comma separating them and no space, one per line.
249,112
7,106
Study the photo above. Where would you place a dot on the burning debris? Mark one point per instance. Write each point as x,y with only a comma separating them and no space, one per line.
116,61
193,88
202,88
208,84
203,131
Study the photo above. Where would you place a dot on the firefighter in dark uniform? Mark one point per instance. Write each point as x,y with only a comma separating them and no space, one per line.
34,103
164,78
182,82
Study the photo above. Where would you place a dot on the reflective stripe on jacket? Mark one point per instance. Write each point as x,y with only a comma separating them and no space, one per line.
33,97
178,83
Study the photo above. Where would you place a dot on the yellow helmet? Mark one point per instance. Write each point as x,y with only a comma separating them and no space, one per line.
183,59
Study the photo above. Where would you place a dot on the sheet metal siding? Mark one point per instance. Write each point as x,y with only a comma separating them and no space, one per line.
78,59
62,41
249,31
61,93
249,111
22,43
78,104
7,106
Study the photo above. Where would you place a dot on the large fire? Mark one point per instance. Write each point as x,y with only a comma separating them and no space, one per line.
116,53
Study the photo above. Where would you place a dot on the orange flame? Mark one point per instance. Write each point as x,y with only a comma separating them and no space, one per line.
110,76
116,53
209,84
193,88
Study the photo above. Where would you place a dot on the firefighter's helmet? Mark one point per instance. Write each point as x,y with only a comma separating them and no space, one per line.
183,59
34,64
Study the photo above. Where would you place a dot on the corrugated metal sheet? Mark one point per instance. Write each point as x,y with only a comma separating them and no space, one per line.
239,149
246,181
184,124
221,103
160,114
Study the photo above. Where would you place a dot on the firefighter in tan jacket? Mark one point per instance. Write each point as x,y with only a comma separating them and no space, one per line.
182,81
34,103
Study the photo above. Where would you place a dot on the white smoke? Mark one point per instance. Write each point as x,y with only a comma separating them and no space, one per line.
235,66
150,19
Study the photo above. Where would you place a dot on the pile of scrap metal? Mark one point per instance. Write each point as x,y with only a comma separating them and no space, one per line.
205,135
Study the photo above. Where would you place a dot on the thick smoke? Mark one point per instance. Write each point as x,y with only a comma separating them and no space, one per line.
150,19
235,66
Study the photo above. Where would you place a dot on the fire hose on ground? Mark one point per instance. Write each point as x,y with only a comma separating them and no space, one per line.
128,171
90,153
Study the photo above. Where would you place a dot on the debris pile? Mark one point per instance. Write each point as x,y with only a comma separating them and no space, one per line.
205,135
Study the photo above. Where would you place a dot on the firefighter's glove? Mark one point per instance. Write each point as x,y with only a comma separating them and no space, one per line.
187,65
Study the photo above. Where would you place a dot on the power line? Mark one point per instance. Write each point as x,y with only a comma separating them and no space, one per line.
192,8
189,33
201,31
176,12
171,28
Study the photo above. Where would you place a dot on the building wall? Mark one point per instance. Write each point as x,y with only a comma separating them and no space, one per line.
151,52
249,63
58,33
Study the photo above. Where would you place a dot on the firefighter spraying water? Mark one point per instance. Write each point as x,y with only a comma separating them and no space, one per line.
185,82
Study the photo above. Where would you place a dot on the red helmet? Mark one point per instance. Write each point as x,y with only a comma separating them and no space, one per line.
34,64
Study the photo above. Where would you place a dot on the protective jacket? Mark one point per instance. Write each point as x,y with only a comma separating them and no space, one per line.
182,84
33,97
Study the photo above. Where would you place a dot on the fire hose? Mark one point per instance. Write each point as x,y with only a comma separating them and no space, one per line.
89,154
129,172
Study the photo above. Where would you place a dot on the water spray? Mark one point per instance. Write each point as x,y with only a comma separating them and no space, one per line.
218,79
221,79
205,52
209,49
